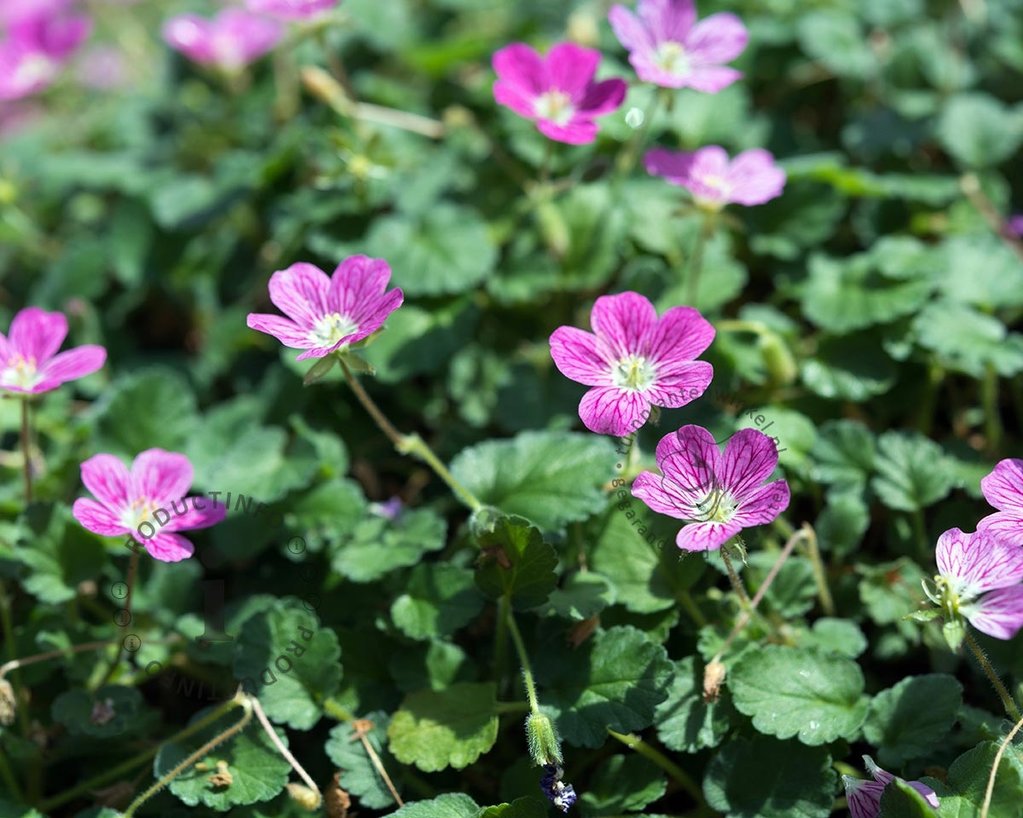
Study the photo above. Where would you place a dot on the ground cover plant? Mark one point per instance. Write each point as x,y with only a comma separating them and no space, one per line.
476,409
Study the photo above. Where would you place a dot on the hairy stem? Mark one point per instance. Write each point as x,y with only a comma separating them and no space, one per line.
527,670
1003,693
733,577
683,778
989,791
819,574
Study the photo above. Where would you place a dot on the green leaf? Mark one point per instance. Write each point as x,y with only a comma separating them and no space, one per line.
840,636
968,778
800,692
376,546
969,341
685,722
623,783
439,599
615,680
837,40
447,728
793,591
110,711
358,773
550,478
849,368
290,662
843,453
516,563
58,552
797,782
519,808
899,800
447,250
978,130
912,471
449,805
908,720
584,595
995,272
843,522
258,771
891,590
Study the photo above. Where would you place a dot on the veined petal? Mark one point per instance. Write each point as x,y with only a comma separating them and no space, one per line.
668,19
300,292
749,459
689,457
70,365
681,334
709,79
38,334
999,613
755,178
578,131
108,479
978,562
1003,487
680,384
608,410
159,477
706,536
570,68
716,39
97,518
623,321
201,512
577,356
169,547
655,491
1004,525
629,29
763,504
283,329
863,797
521,68
357,282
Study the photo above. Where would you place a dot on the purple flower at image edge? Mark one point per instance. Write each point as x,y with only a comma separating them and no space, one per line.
326,313
669,48
633,360
864,797
127,500
29,361
1014,224
230,41
1003,489
39,40
291,9
557,91
983,573
717,493
751,178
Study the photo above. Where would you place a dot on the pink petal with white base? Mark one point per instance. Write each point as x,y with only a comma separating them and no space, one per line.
195,517
755,177
706,536
570,68
623,320
999,613
716,39
689,457
749,459
763,505
160,476
670,19
38,334
682,333
709,79
680,384
300,292
630,30
73,364
613,411
577,356
1003,487
283,329
97,518
976,563
107,479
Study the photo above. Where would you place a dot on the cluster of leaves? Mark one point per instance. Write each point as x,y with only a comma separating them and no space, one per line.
870,314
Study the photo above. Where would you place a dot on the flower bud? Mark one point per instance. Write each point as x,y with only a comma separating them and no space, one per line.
781,366
8,703
544,742
713,677
304,796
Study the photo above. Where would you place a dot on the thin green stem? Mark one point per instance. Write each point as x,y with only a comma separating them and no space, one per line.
733,577
370,406
26,450
512,707
133,569
992,418
1003,693
501,644
13,663
819,574
127,766
695,266
336,710
8,777
527,670
199,754
657,757
627,159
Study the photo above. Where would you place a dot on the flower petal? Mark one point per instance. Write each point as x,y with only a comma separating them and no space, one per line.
716,39
200,512
520,69
681,383
300,292
657,493
749,459
668,19
755,178
603,97
97,518
1003,488
763,504
977,562
999,613
159,477
1003,525
674,166
108,479
358,282
578,131
863,797
706,536
689,458
37,334
623,321
629,29
681,334
709,79
608,410
577,355
70,365
169,547
283,329
570,68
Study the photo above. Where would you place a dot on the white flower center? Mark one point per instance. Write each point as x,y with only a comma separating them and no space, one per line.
554,106
33,69
633,372
717,507
331,328
20,372
140,511
671,57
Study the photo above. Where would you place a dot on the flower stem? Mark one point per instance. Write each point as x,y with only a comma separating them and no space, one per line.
527,670
337,710
501,644
695,265
411,444
1003,693
133,568
819,574
686,601
989,791
992,419
627,159
25,450
737,586
284,751
670,767
199,754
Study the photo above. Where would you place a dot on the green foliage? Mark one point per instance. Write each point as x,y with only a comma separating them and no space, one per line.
907,720
516,563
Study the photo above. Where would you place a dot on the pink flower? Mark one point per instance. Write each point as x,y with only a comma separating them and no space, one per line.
751,178
556,91
40,38
290,9
980,579
864,797
144,502
326,313
1014,225
718,494
229,41
669,48
1003,489
29,363
633,361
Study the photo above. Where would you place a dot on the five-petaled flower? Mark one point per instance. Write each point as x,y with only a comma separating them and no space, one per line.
130,502
229,41
558,91
669,48
979,578
1003,489
751,178
291,9
864,797
717,493
39,38
326,313
633,360
29,362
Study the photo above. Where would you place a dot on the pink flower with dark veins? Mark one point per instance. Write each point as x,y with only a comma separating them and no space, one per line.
751,178
229,41
291,9
29,361
328,313
717,493
558,91
864,797
1003,489
633,360
669,48
143,502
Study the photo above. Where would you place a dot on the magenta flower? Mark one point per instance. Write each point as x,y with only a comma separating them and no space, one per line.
557,91
144,502
29,362
979,579
864,797
290,9
229,41
633,361
40,38
669,48
326,313
1003,489
717,494
1015,225
751,178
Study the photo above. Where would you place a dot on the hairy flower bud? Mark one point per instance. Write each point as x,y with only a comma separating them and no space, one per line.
544,742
